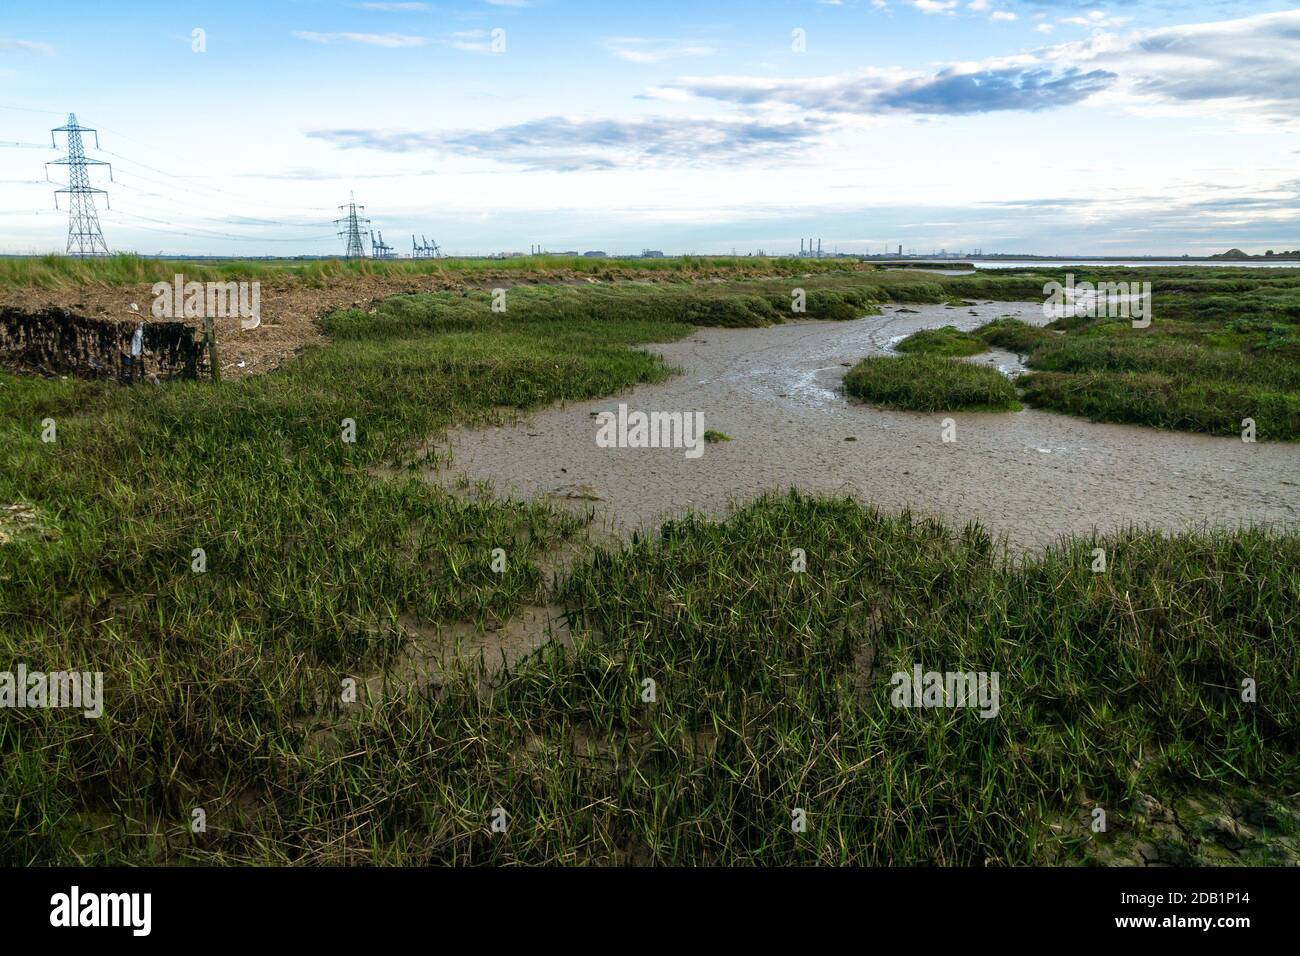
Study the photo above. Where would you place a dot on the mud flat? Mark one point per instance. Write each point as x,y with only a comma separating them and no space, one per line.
1031,475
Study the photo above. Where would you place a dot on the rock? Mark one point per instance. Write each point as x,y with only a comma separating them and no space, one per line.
1164,853
1262,813
1173,854
1148,808
850,438
1228,832
578,492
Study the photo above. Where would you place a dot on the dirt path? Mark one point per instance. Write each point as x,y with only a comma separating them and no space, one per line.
1033,475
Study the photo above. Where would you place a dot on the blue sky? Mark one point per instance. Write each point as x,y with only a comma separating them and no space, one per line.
1063,127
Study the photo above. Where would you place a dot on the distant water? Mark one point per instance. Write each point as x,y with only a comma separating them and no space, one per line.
1134,264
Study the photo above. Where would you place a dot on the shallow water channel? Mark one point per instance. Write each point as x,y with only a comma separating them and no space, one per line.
1031,475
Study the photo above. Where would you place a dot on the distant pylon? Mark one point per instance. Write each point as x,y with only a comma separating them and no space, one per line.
85,238
352,226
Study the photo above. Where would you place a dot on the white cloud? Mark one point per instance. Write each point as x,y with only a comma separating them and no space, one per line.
1097,20
649,50
34,47
470,41
935,6
1017,83
1243,69
563,144
391,40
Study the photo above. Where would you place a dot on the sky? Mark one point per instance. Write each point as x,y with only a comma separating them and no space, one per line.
1052,127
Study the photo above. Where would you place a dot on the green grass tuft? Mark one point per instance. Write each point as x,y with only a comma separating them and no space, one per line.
948,341
928,383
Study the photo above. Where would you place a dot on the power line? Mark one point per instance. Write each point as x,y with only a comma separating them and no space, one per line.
190,199
222,235
189,181
251,220
25,109
86,238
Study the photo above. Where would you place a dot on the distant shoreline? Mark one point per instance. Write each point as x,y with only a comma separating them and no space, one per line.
613,258
1003,258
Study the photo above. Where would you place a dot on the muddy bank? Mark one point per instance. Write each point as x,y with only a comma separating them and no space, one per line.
292,305
1033,475
291,309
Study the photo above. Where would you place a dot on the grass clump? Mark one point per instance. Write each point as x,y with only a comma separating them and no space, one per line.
1219,349
927,383
948,341
713,436
1166,401
781,684
1012,335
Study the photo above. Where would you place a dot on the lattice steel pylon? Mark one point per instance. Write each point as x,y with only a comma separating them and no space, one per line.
352,229
85,238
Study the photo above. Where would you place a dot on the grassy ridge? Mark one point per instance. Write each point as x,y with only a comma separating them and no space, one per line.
1202,365
56,271
930,383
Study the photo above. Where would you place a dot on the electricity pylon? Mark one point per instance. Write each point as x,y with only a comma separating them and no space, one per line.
85,238
352,226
